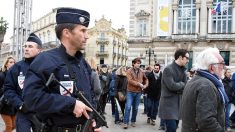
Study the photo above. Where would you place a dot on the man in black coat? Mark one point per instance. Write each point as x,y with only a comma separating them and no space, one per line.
153,93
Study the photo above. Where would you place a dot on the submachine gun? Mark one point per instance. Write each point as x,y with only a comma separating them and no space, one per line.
100,121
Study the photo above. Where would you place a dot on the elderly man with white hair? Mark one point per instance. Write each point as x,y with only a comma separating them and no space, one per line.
204,96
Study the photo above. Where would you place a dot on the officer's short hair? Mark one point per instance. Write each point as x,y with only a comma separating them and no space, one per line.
60,27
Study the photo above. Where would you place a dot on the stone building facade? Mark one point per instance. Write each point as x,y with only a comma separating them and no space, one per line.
107,44
159,27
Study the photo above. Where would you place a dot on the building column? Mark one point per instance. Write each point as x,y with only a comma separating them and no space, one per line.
175,13
209,21
233,20
197,21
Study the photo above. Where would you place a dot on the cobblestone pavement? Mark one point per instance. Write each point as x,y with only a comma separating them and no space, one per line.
141,123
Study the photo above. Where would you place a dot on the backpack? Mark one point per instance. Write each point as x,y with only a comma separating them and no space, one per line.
112,85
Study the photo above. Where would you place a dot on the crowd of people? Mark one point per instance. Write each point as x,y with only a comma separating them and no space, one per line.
40,92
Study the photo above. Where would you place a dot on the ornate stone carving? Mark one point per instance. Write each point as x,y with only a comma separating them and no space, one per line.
142,13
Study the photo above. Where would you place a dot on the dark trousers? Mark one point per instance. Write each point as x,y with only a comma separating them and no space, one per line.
152,108
23,124
122,106
112,104
102,102
171,125
145,104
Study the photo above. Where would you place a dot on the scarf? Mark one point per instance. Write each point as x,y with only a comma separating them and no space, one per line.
217,82
156,75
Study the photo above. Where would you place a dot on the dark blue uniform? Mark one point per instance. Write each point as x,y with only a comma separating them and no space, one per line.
13,93
48,101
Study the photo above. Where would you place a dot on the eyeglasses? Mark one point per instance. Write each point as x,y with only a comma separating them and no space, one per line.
221,63
186,57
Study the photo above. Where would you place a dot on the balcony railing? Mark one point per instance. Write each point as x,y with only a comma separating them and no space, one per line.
102,41
102,53
221,36
185,37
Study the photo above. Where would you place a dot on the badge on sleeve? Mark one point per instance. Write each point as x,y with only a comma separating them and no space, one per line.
21,78
68,85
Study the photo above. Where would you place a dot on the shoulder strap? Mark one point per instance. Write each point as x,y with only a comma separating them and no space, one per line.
72,74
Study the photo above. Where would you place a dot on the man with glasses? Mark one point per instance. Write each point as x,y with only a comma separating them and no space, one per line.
204,96
173,82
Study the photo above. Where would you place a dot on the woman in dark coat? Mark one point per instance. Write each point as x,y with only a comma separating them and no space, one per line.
8,112
121,83
230,93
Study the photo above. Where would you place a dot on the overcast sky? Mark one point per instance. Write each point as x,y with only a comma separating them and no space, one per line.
116,10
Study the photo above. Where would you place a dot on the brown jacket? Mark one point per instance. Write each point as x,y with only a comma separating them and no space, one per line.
134,79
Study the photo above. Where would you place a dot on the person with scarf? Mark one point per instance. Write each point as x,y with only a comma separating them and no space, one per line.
204,97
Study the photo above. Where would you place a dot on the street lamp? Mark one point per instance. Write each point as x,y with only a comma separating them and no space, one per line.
150,52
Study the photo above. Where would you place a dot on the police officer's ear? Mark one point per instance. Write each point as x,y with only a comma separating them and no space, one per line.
66,32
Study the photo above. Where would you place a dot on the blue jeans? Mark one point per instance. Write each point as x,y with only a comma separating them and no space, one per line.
227,113
152,108
171,125
132,99
162,123
145,104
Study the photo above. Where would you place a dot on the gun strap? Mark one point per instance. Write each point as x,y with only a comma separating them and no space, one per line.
72,73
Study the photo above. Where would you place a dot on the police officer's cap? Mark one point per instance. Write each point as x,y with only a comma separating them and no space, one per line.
34,38
72,15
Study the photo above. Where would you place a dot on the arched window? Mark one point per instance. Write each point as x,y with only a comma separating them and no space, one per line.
186,17
222,16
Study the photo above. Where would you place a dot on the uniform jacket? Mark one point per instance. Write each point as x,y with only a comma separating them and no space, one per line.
154,88
202,107
173,82
134,79
12,90
7,108
53,102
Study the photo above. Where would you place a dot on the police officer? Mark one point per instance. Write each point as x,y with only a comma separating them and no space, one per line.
54,104
14,82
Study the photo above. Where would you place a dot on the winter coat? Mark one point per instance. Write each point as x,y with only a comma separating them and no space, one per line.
7,108
173,82
134,79
121,83
229,89
154,88
202,108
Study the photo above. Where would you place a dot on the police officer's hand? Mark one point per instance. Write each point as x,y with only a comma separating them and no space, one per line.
94,126
81,109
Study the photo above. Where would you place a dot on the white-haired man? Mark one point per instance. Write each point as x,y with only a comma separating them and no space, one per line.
204,96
